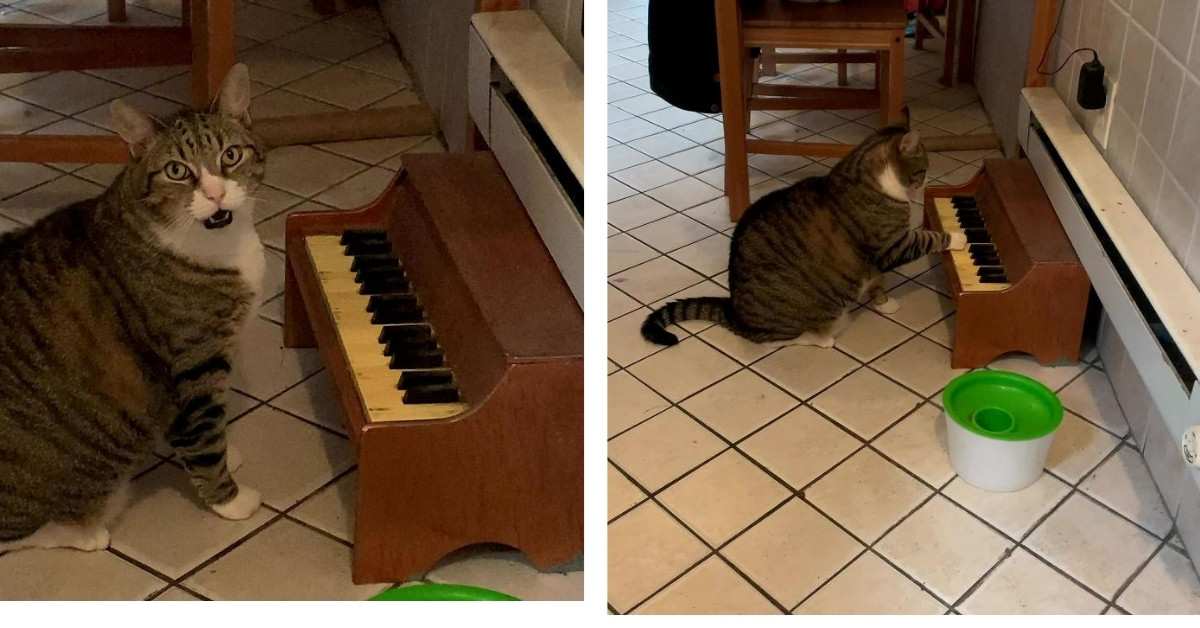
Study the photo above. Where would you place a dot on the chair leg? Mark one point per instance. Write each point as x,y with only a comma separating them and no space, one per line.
843,80
116,11
768,65
213,51
730,53
895,80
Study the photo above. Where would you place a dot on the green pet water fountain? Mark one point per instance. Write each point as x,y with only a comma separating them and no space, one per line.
1000,426
431,592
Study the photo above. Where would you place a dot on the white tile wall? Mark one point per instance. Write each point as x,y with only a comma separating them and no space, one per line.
1151,49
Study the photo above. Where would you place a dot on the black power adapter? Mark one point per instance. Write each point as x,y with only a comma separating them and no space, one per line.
1091,93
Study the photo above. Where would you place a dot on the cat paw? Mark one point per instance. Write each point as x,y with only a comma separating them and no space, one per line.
825,342
958,240
242,506
889,306
233,458
93,540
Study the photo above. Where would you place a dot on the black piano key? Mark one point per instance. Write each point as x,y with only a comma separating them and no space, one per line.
413,379
420,359
394,309
381,281
978,256
396,317
383,285
358,235
385,272
989,271
384,260
994,279
387,302
959,200
967,211
986,261
977,235
405,333
437,393
368,247
970,222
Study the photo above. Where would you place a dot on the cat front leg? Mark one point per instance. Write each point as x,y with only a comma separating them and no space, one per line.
916,243
198,436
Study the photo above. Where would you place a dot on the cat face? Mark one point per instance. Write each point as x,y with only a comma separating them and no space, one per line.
899,159
197,167
911,161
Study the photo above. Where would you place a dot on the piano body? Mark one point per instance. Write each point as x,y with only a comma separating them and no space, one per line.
1019,285
450,325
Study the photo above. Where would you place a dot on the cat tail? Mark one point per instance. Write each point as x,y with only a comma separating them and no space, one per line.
715,309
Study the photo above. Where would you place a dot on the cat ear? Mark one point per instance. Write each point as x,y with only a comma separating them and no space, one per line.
235,94
904,118
910,144
135,127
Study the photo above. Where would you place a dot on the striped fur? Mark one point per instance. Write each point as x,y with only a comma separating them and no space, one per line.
802,256
115,339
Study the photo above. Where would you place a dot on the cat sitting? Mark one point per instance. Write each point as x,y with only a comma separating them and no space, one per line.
802,256
120,316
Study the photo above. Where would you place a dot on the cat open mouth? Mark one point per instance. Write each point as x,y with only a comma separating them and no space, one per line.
220,218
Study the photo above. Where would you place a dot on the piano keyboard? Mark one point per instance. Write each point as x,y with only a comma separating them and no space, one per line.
394,354
979,267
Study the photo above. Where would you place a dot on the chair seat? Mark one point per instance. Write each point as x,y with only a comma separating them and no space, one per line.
851,14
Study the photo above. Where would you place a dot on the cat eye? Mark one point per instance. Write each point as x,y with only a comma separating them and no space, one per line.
176,171
231,157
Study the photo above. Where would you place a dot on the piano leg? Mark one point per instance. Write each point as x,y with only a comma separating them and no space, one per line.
297,330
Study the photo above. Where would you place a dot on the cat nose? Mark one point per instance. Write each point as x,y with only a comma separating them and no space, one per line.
214,192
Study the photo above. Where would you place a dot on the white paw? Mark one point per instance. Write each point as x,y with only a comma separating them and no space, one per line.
958,240
242,506
91,540
825,342
233,458
889,306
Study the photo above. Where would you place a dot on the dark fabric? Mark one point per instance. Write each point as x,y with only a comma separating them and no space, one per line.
684,69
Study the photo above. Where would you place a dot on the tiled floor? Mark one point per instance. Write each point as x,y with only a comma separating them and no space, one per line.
298,546
808,480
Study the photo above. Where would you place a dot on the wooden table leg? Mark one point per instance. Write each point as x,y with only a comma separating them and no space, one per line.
116,11
843,79
883,84
895,79
730,52
213,51
949,41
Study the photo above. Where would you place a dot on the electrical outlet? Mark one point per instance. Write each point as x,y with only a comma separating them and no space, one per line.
1098,123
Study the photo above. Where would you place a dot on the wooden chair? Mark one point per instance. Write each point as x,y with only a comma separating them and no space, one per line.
873,26
957,39
204,41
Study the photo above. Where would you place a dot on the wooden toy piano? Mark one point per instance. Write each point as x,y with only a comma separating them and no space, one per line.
450,323
1019,285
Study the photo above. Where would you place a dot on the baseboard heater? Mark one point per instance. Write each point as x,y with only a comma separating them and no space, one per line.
525,96
1151,302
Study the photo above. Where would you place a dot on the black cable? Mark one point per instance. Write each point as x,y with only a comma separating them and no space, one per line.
1064,63
1050,42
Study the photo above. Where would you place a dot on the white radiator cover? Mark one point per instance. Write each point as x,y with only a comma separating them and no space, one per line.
1171,294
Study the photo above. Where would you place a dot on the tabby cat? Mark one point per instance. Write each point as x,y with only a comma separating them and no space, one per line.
120,315
802,256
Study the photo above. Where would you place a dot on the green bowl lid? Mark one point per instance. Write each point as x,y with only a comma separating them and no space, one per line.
441,593
1002,405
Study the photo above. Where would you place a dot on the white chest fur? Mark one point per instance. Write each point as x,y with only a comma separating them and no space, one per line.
237,245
